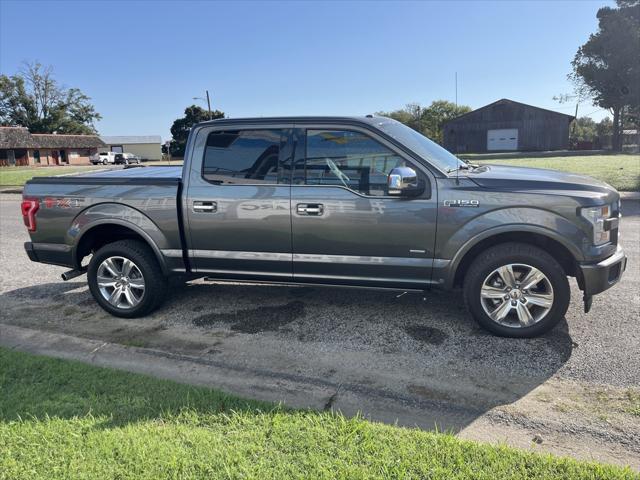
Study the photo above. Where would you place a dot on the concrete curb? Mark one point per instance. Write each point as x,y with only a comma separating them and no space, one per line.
291,389
11,190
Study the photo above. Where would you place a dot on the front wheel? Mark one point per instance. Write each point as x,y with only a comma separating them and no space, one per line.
516,290
126,280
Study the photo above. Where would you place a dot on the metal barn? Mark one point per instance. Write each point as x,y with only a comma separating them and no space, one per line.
506,125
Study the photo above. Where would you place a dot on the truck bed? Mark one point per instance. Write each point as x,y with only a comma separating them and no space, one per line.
145,200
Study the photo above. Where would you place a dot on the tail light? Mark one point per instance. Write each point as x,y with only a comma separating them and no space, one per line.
29,208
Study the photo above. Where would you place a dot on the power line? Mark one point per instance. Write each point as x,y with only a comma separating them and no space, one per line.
598,110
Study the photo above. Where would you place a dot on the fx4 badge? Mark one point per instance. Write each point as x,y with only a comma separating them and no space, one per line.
50,202
461,203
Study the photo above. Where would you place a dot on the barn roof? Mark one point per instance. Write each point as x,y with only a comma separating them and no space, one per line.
131,140
19,137
513,102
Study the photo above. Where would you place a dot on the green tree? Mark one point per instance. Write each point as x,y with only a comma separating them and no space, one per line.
607,66
428,120
604,132
584,130
34,99
181,127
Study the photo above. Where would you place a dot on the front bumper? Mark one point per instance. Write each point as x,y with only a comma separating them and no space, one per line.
597,277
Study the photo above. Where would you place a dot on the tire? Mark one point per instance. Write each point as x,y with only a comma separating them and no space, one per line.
145,271
485,291
104,162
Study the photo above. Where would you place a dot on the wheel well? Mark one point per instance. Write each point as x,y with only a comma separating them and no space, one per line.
554,248
101,235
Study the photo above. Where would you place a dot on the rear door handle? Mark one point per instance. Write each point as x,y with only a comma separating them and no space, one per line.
312,209
200,206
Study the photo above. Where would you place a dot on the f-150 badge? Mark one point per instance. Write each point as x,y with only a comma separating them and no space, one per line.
461,203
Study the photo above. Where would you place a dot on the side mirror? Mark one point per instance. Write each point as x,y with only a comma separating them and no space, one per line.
403,181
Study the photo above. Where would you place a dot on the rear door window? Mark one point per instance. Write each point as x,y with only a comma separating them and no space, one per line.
244,156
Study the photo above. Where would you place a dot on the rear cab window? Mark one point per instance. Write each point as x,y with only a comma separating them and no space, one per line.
245,157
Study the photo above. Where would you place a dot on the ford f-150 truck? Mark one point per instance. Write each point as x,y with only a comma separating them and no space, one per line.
341,201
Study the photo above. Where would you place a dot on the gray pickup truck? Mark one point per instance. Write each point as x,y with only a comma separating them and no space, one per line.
340,201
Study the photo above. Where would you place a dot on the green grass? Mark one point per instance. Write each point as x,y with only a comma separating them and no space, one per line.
621,171
61,419
164,163
17,176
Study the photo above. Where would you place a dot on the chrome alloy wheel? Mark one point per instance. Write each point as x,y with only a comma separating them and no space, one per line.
121,282
516,295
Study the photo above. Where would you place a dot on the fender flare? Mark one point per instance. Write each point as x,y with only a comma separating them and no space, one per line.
90,225
510,228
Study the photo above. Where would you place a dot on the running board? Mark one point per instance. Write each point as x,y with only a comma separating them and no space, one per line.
310,284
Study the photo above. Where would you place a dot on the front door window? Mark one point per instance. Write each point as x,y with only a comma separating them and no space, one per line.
350,159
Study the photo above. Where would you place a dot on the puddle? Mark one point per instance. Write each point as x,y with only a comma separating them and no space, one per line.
432,336
261,319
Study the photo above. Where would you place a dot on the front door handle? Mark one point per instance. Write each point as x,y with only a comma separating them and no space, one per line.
312,209
200,206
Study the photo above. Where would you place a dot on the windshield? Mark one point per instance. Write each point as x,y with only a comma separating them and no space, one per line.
421,145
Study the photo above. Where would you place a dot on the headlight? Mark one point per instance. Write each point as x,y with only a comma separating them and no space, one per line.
596,217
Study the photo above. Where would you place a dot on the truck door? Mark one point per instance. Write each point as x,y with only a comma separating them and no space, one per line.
346,228
237,203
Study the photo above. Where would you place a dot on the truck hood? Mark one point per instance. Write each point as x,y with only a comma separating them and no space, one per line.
502,177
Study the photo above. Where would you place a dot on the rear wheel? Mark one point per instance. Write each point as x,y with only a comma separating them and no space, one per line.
516,290
126,280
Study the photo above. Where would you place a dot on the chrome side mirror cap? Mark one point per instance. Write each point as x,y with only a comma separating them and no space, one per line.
403,181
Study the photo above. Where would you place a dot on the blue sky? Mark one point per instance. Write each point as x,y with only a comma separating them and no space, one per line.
142,62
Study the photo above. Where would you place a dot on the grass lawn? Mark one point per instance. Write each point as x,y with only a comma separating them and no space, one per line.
61,419
16,176
621,171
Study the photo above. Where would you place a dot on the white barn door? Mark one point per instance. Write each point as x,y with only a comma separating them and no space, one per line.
502,139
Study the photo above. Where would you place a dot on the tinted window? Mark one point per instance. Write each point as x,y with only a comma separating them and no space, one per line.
350,159
242,156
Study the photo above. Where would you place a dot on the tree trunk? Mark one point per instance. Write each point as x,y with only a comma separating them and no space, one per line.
616,140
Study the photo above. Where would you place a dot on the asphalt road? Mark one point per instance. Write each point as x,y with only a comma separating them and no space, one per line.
419,359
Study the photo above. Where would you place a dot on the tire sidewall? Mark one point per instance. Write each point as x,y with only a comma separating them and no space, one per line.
544,263
143,265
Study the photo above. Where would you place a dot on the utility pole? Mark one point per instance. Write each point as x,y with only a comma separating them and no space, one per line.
456,90
208,104
565,97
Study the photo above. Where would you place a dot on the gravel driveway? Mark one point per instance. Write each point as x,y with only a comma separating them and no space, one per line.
418,359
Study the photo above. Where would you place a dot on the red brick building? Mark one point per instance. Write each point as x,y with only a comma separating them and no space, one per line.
19,147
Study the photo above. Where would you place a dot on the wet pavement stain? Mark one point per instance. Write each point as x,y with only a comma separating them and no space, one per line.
261,319
428,393
432,336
